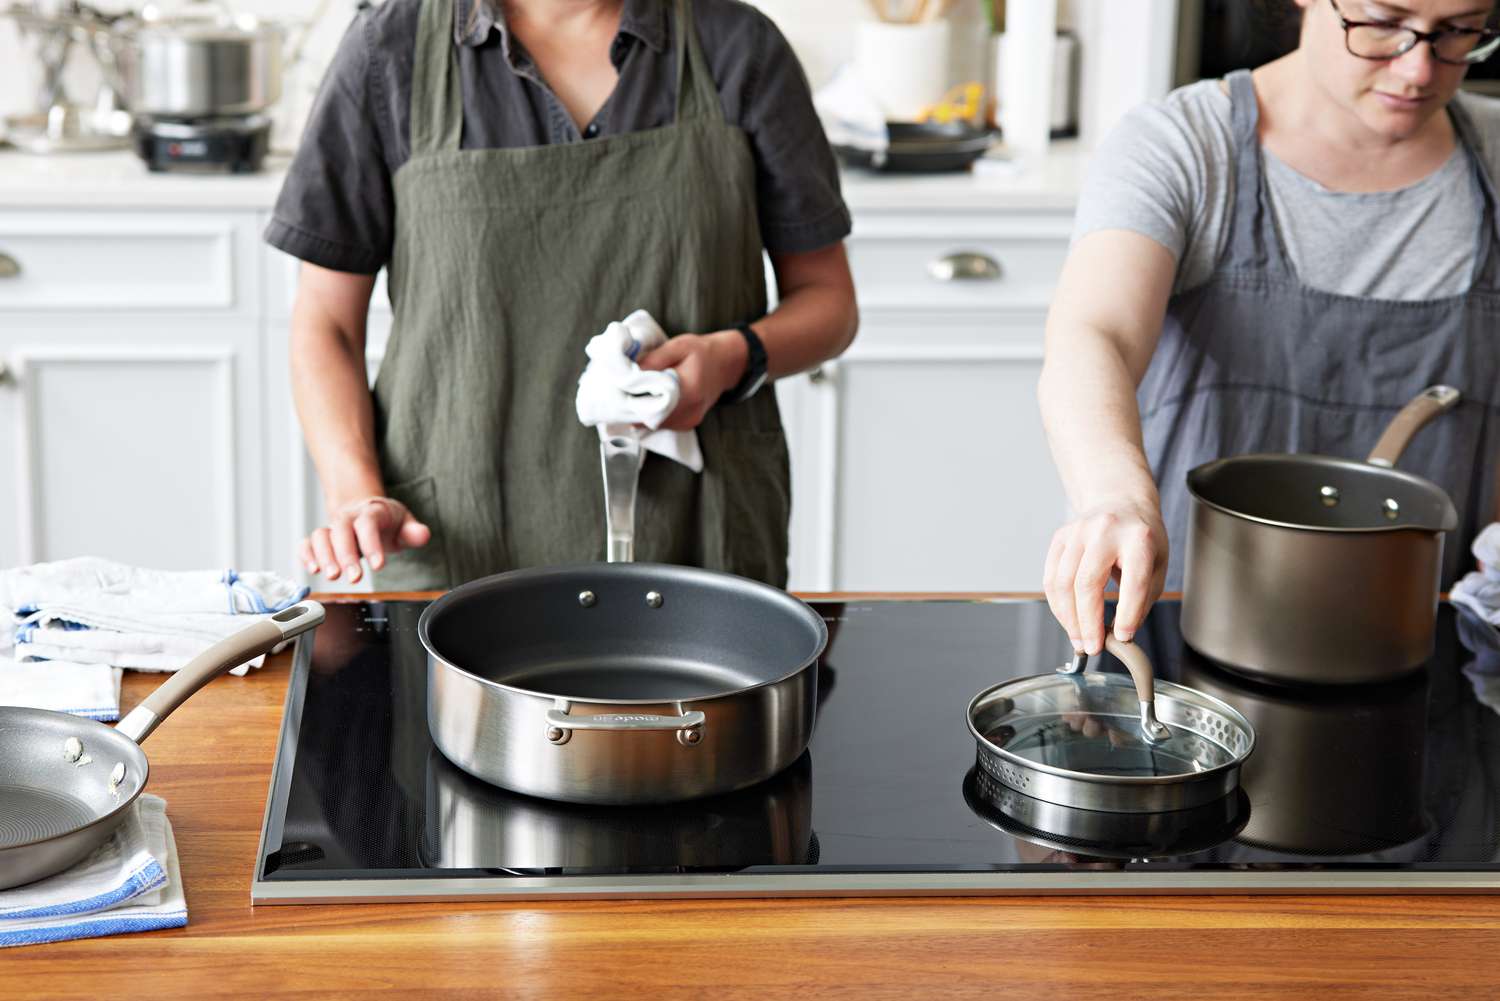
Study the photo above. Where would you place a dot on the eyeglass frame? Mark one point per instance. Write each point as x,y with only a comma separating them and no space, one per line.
1486,35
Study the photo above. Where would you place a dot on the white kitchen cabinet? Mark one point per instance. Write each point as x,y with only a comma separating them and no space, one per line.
132,395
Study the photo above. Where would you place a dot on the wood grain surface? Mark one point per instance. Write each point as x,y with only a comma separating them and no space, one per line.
212,762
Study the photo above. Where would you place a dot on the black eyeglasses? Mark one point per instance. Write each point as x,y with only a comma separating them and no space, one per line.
1383,40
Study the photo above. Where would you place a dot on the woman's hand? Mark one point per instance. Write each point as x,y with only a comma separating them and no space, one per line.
1126,542
707,366
369,527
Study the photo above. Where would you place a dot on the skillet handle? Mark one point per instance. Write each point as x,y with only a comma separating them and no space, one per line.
227,654
621,455
1428,404
689,725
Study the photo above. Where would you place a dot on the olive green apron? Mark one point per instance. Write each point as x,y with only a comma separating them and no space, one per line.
506,262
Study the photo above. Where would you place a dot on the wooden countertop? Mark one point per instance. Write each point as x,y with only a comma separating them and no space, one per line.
212,763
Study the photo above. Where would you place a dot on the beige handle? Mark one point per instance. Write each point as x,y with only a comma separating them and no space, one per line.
1139,666
1429,403
223,656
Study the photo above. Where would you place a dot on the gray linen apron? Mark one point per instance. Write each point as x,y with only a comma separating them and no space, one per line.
1255,361
506,262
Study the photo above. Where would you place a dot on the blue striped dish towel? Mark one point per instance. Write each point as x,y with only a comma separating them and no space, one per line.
89,690
130,883
103,615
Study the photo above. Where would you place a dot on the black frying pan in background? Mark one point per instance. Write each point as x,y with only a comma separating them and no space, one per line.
924,147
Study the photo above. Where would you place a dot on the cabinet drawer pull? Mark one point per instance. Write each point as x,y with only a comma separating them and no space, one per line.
965,266
9,266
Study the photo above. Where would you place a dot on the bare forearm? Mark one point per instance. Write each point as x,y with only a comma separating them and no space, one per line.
334,407
810,325
1087,395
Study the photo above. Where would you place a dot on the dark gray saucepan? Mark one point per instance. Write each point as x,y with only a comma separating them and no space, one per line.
1310,569
67,782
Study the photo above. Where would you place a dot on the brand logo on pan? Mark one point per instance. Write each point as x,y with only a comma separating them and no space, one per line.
627,718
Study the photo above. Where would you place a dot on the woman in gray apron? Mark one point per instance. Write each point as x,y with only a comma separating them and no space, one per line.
517,218
1277,262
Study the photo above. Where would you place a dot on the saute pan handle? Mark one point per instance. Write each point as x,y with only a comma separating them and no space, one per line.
225,655
1139,666
621,455
689,725
1413,417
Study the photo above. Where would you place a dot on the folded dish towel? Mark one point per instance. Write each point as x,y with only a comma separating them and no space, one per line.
1479,590
132,882
614,391
73,623
851,115
91,690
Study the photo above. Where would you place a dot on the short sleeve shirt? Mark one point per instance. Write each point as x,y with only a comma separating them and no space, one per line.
337,207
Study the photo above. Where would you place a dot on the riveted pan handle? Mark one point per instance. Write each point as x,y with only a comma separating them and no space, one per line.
1139,666
1429,403
223,656
689,724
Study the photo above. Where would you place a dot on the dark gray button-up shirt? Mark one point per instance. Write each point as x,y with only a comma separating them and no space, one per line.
337,208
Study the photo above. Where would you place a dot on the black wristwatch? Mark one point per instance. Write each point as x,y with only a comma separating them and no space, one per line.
755,368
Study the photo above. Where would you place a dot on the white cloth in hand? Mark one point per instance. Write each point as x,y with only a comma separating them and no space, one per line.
614,393
1479,591
132,882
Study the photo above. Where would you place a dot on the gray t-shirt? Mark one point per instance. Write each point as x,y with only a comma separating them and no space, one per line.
1167,172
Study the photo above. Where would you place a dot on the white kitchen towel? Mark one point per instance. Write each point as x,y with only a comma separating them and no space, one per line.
130,883
614,390
91,690
851,115
1479,590
95,611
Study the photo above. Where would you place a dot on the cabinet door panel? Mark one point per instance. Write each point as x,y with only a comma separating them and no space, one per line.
944,479
129,455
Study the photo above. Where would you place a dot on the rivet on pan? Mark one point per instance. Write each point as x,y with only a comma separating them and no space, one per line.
689,737
558,735
1392,509
653,599
586,599
1330,496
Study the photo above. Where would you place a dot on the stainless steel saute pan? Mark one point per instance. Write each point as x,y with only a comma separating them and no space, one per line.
621,682
66,782
1306,568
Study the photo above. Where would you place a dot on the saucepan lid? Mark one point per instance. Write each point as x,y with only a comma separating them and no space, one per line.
1110,741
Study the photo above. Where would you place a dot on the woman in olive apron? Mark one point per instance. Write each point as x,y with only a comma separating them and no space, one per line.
504,261
1290,256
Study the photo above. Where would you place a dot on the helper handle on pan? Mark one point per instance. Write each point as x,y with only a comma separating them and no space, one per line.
1139,666
621,454
688,724
225,655
1413,417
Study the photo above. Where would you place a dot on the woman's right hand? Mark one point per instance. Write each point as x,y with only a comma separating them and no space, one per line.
370,528
1126,542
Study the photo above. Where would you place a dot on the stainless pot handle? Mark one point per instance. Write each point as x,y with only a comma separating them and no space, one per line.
1139,666
689,725
1429,403
621,455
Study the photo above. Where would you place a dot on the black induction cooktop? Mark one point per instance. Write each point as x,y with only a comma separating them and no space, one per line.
1389,788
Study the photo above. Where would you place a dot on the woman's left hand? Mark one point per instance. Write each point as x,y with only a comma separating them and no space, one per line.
707,365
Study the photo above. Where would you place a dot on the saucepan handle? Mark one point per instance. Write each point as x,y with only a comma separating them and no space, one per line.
223,656
1139,666
1429,403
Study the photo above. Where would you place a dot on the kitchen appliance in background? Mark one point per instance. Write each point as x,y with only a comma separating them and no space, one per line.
200,83
1062,120
51,30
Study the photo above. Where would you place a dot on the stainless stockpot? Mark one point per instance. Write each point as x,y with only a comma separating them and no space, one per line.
1311,569
207,62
